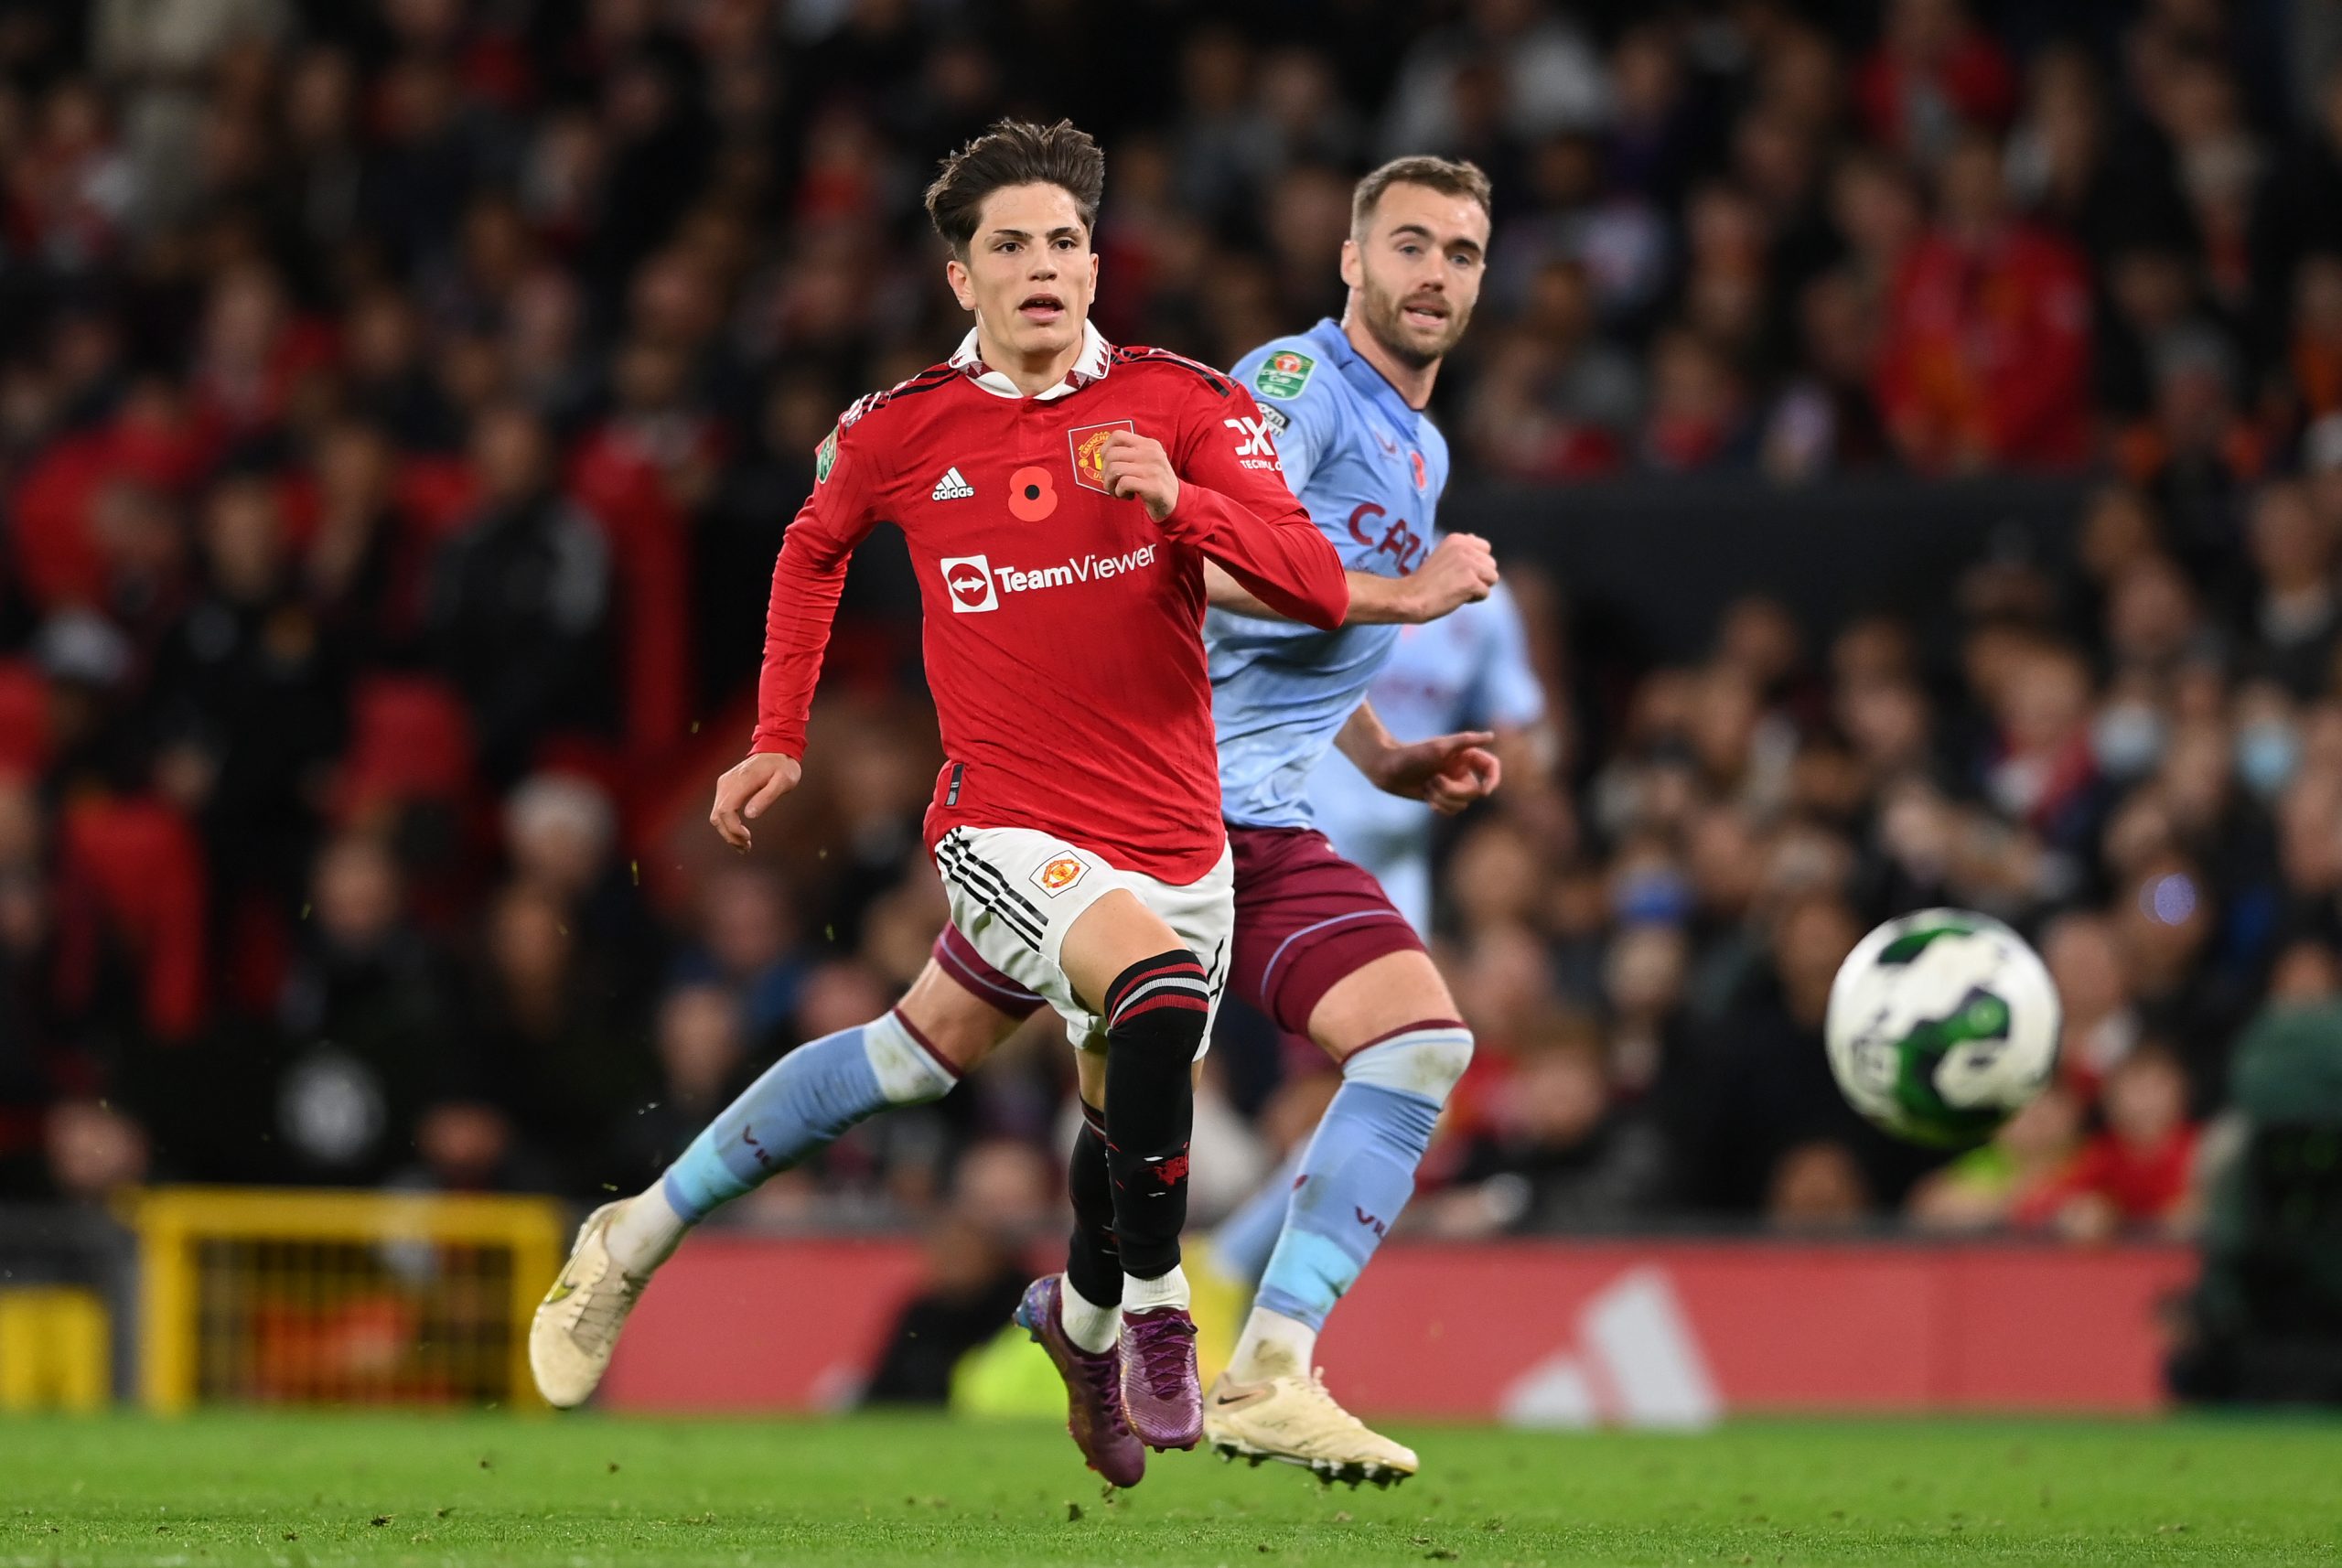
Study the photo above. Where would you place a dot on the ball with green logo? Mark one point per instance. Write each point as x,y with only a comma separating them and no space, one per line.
1941,1026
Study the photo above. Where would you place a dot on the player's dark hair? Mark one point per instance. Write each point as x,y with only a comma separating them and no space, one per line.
1014,151
1449,176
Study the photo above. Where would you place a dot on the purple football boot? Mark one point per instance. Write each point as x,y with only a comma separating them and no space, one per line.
1160,1388
1093,1387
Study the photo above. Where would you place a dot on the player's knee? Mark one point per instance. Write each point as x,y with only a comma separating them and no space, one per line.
962,1043
955,1025
910,1070
1160,1003
1427,1061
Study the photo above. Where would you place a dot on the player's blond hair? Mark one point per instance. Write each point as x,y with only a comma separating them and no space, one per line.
1449,176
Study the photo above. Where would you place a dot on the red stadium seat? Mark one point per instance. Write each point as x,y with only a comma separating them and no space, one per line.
131,874
431,497
410,739
623,488
24,717
434,497
60,557
52,547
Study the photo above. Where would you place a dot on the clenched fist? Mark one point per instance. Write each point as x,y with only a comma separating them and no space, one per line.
1462,570
1136,468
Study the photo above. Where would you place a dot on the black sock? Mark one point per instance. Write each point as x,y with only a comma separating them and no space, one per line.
1155,1011
1093,1263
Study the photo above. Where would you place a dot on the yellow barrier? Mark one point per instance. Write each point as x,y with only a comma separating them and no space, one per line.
347,1298
54,1348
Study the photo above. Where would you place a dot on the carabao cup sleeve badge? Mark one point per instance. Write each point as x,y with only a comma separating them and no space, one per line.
1284,373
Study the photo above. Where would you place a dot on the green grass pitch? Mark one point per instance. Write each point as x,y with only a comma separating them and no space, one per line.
583,1492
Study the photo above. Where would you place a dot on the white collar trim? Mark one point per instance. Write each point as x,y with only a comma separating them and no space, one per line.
1097,354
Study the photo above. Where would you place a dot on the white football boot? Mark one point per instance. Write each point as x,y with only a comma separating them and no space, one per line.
1294,1419
576,1326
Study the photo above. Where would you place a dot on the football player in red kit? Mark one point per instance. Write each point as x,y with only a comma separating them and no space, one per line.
1061,496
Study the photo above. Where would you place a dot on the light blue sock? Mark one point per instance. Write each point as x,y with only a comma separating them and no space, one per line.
1358,1170
802,1103
1357,1175
1242,1245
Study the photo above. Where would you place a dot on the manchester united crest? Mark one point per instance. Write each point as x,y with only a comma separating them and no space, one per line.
1089,447
1057,874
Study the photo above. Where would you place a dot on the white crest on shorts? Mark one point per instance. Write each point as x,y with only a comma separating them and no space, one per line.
1059,872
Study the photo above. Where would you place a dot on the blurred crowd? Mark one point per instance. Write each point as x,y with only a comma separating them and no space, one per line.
400,400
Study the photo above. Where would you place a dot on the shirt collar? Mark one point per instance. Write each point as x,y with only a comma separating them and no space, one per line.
1359,372
1097,354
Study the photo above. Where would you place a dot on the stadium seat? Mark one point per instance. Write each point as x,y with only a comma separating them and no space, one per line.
410,739
24,717
624,491
434,496
130,878
51,546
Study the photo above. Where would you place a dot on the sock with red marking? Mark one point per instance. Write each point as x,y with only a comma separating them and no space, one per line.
1156,1011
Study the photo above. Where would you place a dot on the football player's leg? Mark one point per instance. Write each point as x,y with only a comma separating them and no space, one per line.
1155,998
908,1056
1241,1243
1321,950
1093,1270
911,1055
1393,1025
1357,1173
1076,1316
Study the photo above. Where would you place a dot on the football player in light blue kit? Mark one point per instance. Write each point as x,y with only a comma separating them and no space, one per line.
1329,956
1468,670
1319,947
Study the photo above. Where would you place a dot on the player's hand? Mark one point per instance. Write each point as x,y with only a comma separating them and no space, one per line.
748,790
1136,468
1461,570
1448,772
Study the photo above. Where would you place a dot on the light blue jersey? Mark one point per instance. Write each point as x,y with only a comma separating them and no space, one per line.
1466,670
1370,470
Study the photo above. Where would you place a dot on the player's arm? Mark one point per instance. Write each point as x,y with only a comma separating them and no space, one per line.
1310,429
806,581
1461,570
1242,519
1448,772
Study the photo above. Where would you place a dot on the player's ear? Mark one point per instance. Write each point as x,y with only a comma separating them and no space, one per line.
955,273
1353,265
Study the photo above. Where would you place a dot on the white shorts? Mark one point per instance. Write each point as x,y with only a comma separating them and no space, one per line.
1015,893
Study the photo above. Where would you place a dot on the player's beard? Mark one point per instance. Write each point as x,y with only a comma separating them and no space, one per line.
1386,320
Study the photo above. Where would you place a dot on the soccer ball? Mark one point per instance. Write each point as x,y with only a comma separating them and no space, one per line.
1943,1024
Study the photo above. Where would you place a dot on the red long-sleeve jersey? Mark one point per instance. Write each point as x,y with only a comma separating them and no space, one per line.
1063,635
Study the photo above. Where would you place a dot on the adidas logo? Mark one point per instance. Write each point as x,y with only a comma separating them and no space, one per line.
952,487
1637,1362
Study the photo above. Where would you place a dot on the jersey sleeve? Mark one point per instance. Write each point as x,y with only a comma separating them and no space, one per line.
1234,507
1297,399
806,581
1505,692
